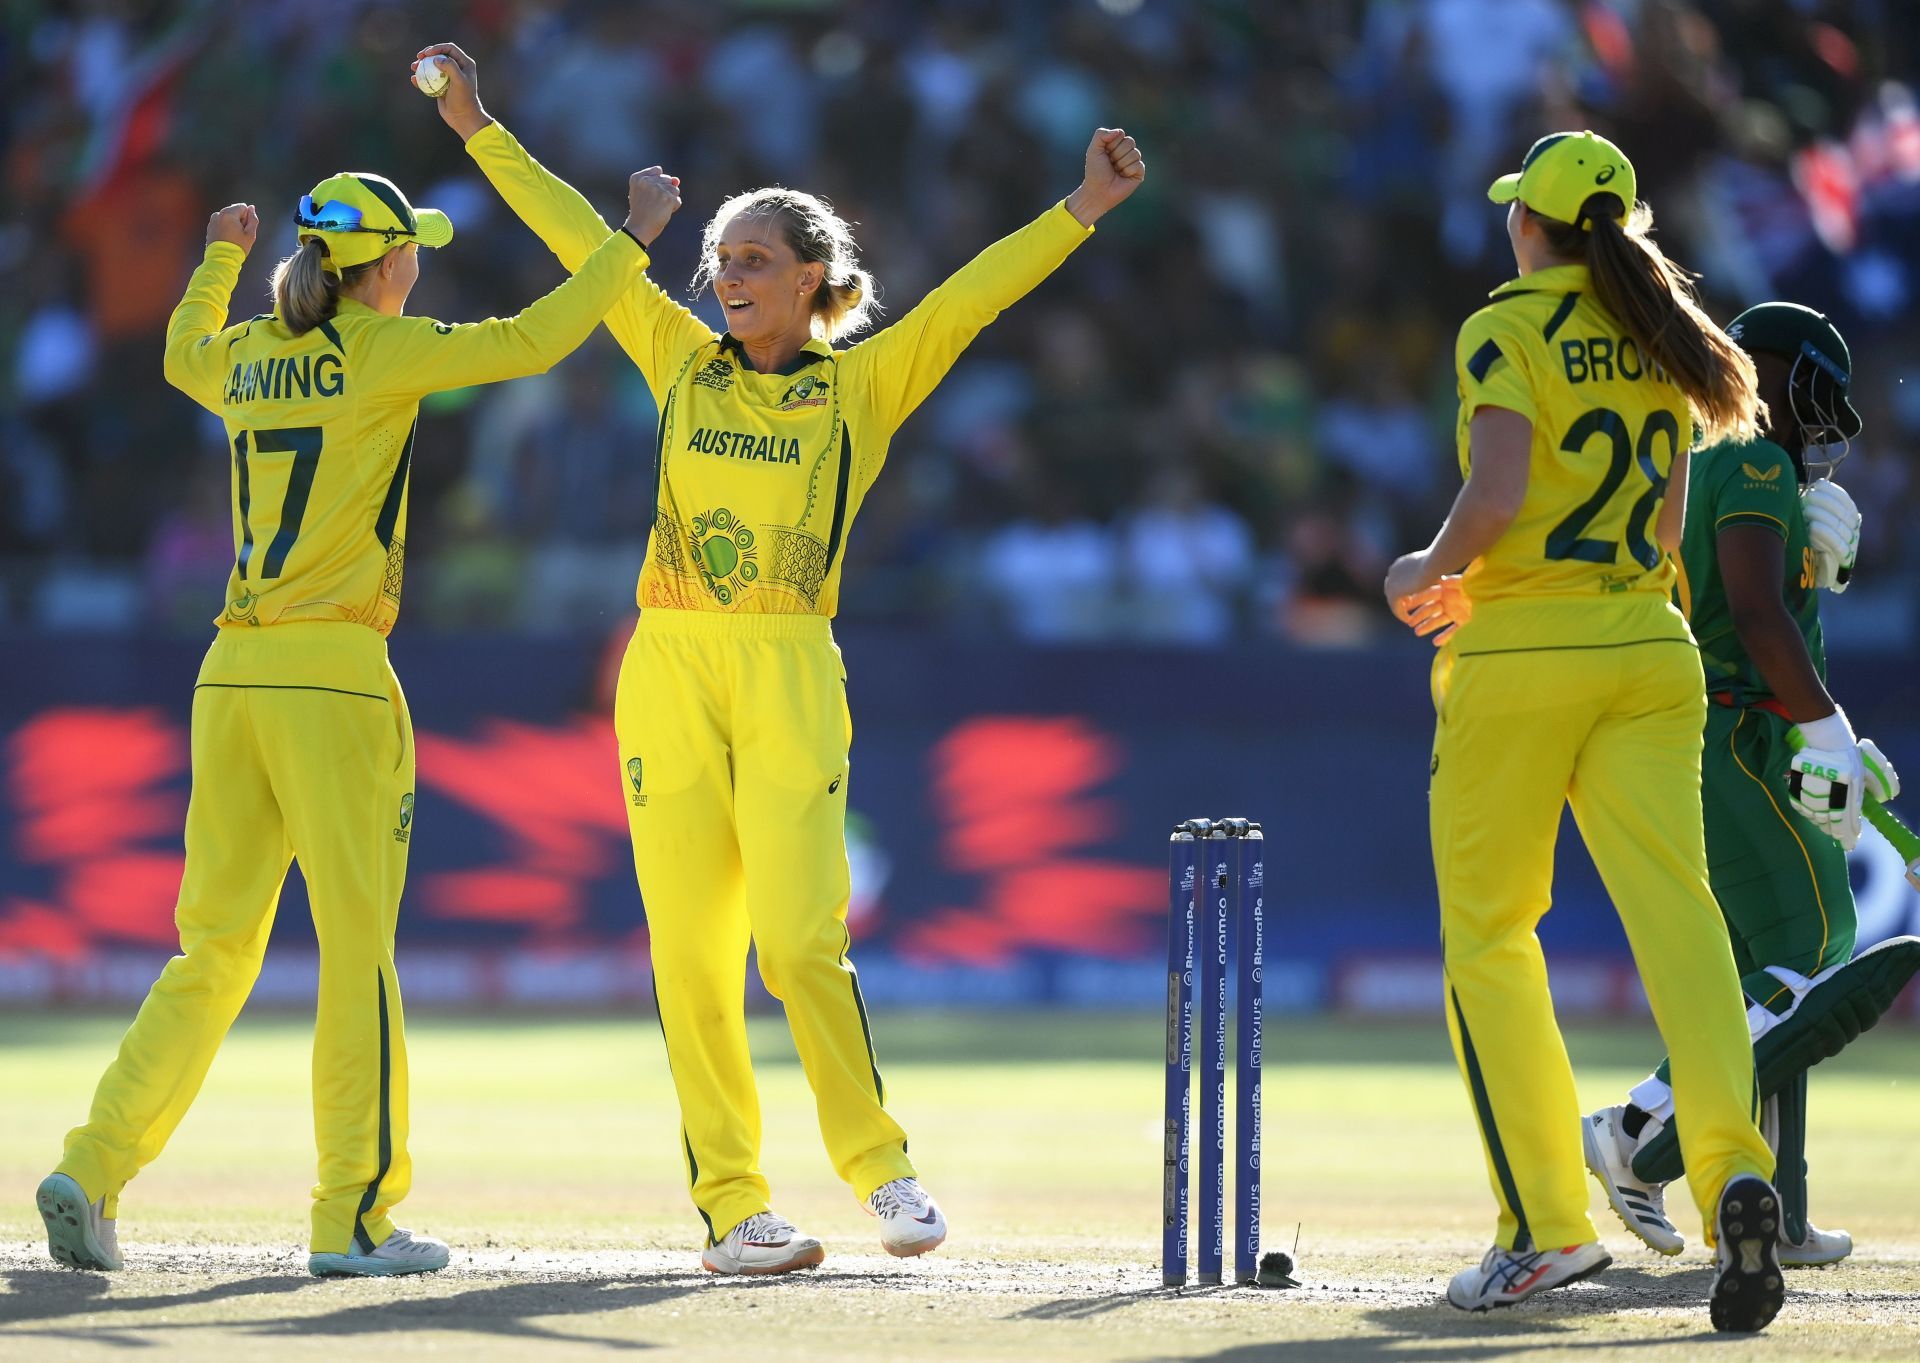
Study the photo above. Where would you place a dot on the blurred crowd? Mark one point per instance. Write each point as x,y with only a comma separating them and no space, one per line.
1221,419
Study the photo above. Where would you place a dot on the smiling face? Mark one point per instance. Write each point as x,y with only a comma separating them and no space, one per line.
762,284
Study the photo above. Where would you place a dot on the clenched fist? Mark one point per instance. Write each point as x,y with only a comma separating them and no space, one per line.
237,223
653,196
1115,168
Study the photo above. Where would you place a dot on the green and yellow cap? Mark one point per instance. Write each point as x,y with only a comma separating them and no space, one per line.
1560,172
361,216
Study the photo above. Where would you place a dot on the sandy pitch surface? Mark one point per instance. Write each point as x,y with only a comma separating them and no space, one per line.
988,1302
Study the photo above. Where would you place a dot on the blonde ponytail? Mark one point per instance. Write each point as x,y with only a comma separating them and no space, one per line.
1654,300
305,292
843,305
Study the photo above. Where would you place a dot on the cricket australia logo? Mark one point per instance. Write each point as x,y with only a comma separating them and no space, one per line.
727,553
716,374
809,390
405,830
633,779
241,609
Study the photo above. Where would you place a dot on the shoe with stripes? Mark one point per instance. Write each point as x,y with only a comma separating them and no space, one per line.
1641,1207
765,1242
400,1253
910,1221
1748,1286
1820,1248
1507,1277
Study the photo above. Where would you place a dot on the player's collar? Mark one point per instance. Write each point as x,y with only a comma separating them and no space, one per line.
812,352
1553,279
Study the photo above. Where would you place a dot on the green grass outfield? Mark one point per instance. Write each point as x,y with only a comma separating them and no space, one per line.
545,1151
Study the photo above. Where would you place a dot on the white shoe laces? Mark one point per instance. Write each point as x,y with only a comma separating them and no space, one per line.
764,1227
899,1198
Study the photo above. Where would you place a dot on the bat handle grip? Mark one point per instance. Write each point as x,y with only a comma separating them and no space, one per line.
1904,841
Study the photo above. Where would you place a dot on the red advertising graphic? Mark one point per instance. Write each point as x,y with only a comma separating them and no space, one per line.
95,814
532,858
1020,806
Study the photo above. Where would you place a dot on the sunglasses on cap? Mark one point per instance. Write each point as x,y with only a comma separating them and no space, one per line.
335,216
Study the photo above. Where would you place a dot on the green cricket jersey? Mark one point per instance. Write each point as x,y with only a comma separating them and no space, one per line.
1743,483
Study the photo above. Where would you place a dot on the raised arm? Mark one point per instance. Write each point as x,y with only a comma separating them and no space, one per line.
901,364
653,329
192,364
416,355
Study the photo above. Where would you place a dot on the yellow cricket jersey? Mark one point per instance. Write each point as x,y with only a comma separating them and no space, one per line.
760,475
320,426
1607,425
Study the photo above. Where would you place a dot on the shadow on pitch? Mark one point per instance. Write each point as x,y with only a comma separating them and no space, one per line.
44,1296
50,1293
42,1299
1438,1333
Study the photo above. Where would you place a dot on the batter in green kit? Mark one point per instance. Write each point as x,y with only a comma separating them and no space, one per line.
1767,867
1782,775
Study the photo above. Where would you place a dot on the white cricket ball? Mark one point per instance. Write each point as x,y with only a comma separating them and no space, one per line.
432,76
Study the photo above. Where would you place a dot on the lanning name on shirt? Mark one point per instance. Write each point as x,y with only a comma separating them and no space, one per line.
306,376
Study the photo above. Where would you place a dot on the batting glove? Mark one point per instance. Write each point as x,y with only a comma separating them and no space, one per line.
1827,778
1833,526
1883,782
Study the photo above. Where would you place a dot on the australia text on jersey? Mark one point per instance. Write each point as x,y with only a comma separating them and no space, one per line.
766,449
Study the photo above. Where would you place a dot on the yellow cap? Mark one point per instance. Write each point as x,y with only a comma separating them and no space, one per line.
1562,170
361,216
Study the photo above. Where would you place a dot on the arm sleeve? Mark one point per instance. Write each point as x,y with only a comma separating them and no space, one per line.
1494,366
413,356
900,365
194,364
653,329
1760,488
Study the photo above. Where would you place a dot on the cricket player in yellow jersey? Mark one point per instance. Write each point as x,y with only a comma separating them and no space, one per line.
731,710
302,747
1567,675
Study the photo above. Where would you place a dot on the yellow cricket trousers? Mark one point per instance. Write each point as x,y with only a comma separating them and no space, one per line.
1615,731
284,768
734,736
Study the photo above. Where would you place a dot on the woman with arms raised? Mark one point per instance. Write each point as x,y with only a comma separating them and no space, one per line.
731,710
302,743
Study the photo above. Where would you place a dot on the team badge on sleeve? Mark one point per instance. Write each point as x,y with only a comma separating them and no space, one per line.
633,779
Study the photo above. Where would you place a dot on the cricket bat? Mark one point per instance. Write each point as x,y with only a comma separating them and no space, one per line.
1905,841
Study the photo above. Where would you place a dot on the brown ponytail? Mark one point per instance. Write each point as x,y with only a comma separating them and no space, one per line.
305,293
1654,300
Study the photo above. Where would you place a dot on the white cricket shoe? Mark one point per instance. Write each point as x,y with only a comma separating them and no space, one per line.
1506,1277
79,1233
1748,1286
1820,1248
400,1253
910,1221
1641,1207
765,1242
